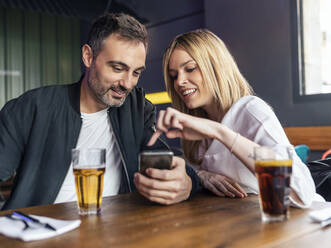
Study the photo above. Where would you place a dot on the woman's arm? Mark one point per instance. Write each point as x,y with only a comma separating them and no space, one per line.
179,125
238,145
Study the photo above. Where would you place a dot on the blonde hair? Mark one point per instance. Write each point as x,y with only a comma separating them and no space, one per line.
220,75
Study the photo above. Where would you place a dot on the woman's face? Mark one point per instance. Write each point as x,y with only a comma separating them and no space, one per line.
187,79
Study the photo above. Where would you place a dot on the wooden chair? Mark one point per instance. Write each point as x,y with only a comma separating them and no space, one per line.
315,137
5,189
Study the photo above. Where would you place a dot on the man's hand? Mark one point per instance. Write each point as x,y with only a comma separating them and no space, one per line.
165,186
221,185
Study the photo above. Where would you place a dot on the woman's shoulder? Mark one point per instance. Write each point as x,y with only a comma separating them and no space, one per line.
249,107
250,102
258,107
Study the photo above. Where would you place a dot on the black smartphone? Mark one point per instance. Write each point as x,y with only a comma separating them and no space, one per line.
155,159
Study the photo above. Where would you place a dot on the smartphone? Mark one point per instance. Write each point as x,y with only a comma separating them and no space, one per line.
155,159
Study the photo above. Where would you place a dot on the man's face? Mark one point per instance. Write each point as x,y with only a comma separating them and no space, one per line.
116,70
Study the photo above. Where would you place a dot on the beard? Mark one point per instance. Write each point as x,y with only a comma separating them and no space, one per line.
101,93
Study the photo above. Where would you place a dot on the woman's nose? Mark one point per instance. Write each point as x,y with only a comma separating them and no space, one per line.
181,79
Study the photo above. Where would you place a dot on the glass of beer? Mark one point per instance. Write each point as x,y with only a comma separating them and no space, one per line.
89,168
273,168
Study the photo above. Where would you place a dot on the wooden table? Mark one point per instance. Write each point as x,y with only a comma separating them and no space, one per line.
204,221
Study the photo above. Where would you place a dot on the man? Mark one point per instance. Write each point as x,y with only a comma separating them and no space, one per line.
105,109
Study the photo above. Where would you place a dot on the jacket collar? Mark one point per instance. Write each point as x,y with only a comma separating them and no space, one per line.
74,95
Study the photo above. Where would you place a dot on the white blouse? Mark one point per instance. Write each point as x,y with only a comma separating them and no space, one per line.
254,119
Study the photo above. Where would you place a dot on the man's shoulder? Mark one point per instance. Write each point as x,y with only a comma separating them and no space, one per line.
42,96
45,91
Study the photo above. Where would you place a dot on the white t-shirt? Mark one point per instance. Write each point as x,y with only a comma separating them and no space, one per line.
96,132
254,119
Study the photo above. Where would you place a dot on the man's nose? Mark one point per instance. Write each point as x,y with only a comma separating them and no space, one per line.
127,81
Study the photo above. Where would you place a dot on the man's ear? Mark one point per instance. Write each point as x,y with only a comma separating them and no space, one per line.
87,55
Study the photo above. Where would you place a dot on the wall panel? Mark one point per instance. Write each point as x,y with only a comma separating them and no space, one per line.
49,67
36,49
2,58
32,65
14,53
64,50
76,50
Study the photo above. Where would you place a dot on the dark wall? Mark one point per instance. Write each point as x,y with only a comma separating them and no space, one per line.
258,33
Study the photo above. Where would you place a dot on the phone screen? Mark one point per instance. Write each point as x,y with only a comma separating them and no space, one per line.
155,159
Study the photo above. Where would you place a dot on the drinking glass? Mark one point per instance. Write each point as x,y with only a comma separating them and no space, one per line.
273,168
89,168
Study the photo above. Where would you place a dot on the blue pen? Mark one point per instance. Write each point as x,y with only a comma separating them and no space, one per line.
31,219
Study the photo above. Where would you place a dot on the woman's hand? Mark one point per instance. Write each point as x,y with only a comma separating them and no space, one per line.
176,124
221,185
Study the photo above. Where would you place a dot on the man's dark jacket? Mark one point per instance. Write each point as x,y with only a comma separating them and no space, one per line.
39,129
321,172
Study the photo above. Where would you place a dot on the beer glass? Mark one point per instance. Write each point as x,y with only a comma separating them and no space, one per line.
273,168
89,168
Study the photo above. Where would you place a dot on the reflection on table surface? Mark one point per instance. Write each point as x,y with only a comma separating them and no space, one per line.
204,221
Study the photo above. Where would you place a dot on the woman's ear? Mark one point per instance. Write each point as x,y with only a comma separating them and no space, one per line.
87,55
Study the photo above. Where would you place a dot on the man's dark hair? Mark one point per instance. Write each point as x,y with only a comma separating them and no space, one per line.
119,23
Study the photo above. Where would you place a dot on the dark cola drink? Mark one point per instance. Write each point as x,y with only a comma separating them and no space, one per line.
274,184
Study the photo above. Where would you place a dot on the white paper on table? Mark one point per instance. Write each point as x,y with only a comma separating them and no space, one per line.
14,228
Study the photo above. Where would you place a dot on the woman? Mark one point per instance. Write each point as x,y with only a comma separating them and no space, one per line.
219,120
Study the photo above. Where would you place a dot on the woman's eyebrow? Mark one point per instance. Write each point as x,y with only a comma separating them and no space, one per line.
182,65
185,63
